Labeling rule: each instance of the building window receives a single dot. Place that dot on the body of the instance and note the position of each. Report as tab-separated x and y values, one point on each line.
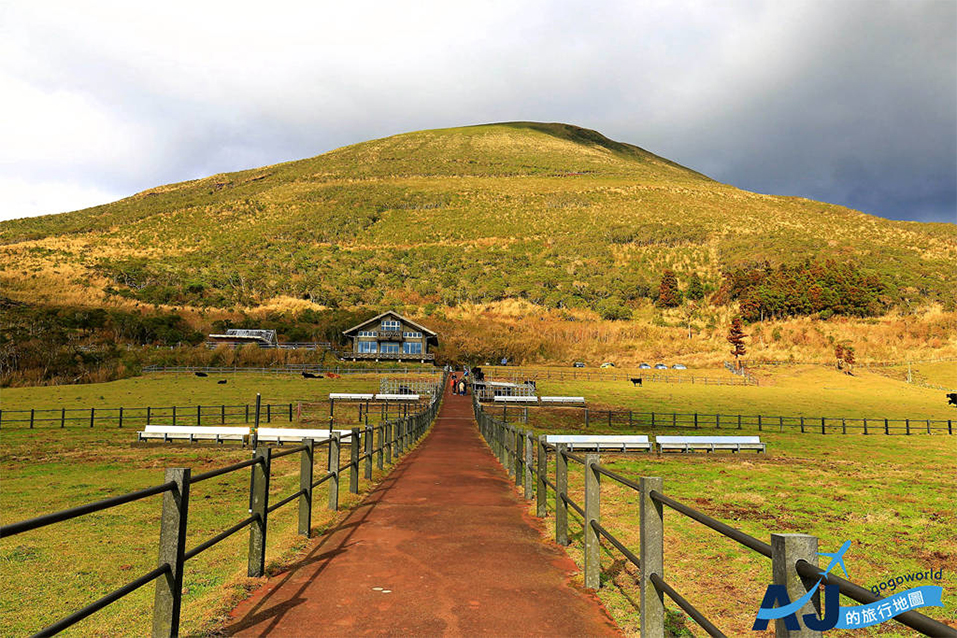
410	347
389	348
391	324
367	346
367	333
412	335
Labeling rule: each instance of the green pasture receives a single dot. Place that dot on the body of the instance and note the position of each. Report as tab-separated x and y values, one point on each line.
892	496
811	391
48	573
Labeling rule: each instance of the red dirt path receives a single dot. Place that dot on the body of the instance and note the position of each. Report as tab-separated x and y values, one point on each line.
448	535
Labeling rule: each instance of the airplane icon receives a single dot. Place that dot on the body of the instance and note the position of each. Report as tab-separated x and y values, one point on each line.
836	557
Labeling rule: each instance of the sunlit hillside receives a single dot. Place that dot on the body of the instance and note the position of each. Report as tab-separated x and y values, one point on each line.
552	214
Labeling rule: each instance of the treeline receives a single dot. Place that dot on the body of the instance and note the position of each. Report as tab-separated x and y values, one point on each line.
824	288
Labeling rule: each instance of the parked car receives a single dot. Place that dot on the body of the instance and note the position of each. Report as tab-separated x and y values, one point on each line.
679	366
644	366
578	364
608	364
660	366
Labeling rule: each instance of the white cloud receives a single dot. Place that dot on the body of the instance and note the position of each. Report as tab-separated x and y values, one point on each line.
121	96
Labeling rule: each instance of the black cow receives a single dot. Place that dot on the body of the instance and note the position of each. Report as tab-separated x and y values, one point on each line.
221	382
952	399
636	381
200	374
309	375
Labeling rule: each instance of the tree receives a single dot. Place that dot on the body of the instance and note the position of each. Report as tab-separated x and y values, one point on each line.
849	358
668	294
695	288
839	355
736	338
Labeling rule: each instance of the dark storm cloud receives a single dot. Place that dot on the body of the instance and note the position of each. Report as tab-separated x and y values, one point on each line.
853	103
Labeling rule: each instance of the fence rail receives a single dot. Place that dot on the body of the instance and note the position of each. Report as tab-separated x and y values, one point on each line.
628	419
133	416
392	439
517	374
293	368
793	556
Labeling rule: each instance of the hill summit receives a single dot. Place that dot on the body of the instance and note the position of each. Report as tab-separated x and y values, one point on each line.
554	214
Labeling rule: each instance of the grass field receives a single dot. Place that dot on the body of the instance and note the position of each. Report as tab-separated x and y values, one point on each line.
789	391
891	496
74	563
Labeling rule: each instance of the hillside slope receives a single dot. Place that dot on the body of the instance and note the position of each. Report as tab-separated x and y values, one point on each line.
552	213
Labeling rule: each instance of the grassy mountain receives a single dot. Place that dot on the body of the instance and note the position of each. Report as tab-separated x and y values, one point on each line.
557	215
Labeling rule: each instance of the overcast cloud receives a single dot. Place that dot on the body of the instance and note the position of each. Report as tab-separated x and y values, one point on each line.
848	102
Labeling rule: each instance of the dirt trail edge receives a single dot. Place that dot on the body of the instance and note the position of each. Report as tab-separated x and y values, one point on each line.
443	547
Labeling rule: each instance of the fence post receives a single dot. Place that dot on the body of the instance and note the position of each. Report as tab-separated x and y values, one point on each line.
802	424
354	461
305	486
843	425
247	413
822	426
886	428
367	435
586	418
561	487
739	421
651	534
907	426
290	412
541	496
388	442
63	417
380	431
592	515
696	420
92	412
759	423
865	426
121	416
652	419
334	444
259	497
950	427
172	546
222	414
149	411
519	447
269	413
786	551
32	410
527	438
199	409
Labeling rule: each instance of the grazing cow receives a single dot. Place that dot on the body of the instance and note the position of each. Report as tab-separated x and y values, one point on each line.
952	399
200	374
636	381
310	375
221	382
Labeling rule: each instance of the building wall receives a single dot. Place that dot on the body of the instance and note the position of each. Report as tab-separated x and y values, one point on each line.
377	329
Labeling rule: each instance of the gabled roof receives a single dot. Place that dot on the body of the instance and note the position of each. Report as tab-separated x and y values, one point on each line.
375	319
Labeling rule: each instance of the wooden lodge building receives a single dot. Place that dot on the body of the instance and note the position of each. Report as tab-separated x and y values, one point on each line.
390	337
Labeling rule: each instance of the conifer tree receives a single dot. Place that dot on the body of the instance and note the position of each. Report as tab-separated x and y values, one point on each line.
695	288
736	338
668	294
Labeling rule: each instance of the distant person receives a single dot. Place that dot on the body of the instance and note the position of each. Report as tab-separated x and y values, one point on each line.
462	388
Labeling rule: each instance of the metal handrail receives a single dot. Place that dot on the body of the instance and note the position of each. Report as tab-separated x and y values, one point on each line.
73	512
573	505
734	534
219	537
617	543
913	619
96	606
293	450
288	499
703	622
226	470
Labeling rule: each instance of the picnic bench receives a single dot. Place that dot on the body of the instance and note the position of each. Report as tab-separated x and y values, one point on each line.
224	433
709	443
610	442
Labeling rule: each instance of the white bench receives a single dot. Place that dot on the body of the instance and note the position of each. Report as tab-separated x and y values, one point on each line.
296	435
710	443
194	433
223	433
616	442
563	400
505	399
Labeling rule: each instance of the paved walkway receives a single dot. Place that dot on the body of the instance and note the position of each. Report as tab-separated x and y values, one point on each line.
448	538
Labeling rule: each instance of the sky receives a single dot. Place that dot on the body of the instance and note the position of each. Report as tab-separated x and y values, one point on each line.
852	102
